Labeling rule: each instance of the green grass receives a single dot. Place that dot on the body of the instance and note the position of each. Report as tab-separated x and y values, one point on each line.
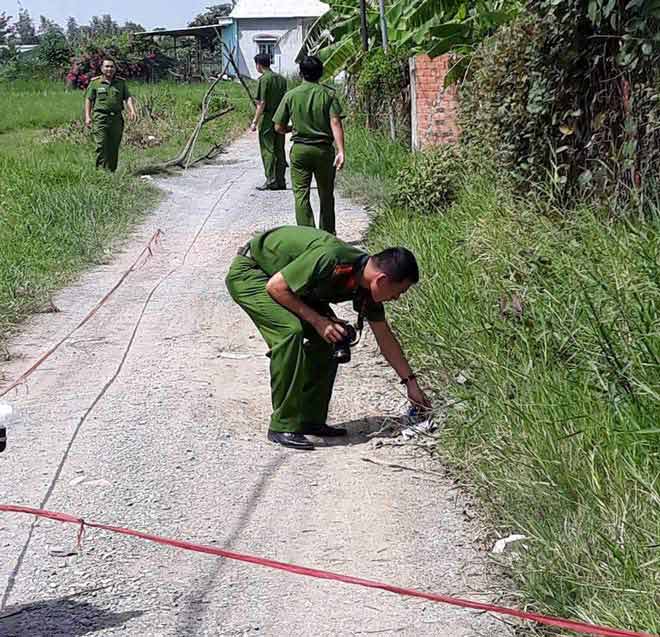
58	212
552	317
374	163
37	104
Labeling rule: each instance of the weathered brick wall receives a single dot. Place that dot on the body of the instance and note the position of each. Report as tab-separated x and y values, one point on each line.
434	107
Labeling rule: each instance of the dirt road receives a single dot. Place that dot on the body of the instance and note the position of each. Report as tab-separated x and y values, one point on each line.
153	416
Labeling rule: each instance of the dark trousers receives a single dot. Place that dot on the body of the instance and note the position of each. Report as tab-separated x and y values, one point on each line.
302	369
273	156
307	161
107	130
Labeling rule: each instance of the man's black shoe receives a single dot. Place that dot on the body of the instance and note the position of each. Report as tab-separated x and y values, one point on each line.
323	431
263	187
288	439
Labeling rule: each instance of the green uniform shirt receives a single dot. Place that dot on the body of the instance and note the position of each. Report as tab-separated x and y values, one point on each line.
107	97
271	88
316	265
309	107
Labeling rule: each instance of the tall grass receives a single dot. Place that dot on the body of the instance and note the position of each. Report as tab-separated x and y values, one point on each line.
57	212
540	328
37	104
373	163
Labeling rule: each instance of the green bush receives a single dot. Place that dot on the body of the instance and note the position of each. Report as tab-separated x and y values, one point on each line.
54	53
136	58
383	76
568	93
23	67
428	181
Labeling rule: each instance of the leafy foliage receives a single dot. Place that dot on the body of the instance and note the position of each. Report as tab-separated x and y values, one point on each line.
54	51
212	15
73	32
428	183
46	25
379	86
5	28
424	26
383	74
25	28
569	92
136	58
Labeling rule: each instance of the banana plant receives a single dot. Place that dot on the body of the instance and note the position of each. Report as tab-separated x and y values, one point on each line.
422	26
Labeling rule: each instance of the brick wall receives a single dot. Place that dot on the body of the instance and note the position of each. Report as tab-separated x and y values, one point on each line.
434	107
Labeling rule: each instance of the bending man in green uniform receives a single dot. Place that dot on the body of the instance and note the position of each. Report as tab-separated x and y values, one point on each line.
315	115
285	279
104	103
270	91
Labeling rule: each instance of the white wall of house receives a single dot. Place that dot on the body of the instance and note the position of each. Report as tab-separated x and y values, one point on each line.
286	35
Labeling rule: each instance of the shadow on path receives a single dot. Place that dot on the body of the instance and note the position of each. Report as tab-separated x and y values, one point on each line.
189	621
61	616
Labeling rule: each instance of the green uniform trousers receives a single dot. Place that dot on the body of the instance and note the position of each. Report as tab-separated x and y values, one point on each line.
108	130
301	375
272	152
317	160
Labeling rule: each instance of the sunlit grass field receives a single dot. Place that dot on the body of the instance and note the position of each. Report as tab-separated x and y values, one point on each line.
57	212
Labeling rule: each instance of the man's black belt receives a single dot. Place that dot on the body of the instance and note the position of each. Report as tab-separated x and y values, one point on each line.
244	251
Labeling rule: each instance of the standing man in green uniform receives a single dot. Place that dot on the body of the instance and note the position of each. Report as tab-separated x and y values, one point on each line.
104	103
285	280
270	91
315	115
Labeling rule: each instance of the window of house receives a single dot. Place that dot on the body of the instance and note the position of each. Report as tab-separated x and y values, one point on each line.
267	48
266	44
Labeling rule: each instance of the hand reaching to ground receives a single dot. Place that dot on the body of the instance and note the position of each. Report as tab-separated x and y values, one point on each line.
416	396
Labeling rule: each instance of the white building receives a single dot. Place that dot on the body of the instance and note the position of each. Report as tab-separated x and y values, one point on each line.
276	27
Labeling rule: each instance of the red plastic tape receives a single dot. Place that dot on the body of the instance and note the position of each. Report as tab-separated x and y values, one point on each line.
147	251
557	622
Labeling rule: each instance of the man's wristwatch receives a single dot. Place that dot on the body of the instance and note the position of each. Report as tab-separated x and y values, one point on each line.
407	379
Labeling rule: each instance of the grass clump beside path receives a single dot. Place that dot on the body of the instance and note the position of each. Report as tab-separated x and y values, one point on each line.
541	328
57	212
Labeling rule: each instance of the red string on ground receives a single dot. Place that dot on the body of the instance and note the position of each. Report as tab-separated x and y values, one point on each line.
146	253
567	624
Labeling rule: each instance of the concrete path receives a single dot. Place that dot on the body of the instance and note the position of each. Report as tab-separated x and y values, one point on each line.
153	416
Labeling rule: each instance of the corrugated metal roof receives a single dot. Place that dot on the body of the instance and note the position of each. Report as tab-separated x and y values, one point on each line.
279	9
209	28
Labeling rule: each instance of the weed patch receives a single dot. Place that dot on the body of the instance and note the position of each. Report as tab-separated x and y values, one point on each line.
540	327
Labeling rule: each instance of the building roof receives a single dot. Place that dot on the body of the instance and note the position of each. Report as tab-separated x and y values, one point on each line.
209	28
279	9
20	48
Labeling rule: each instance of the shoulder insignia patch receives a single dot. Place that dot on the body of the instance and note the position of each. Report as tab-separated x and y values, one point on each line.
344	276
343	268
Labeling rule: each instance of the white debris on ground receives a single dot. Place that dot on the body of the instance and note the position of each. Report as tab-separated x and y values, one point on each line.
504	543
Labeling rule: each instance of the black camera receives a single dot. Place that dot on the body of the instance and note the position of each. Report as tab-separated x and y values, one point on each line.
342	349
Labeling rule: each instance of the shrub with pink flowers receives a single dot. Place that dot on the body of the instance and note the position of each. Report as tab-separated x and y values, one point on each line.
135	58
